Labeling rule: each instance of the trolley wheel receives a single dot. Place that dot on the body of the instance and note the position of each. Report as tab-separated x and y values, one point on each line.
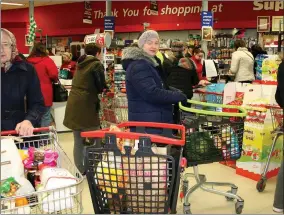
239	207
186	209
261	184
233	190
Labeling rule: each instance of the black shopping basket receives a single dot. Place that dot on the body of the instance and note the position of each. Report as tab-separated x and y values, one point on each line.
212	136
134	179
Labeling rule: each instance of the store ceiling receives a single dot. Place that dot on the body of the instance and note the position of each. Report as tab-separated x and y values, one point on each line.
36	3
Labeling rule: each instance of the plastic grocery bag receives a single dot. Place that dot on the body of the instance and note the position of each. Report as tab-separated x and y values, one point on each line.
144	172
61	198
11	162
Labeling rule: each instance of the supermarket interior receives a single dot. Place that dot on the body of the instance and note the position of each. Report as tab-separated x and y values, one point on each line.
148	107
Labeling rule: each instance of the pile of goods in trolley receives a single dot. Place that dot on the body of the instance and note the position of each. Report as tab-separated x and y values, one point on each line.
37	177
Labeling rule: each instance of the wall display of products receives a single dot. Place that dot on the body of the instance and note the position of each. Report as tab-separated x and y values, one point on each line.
119	78
223	54
267	67
221	41
269	41
109	70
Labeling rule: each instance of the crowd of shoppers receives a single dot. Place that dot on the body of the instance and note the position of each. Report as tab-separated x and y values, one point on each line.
155	81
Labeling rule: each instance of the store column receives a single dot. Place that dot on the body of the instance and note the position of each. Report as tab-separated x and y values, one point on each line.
108	8
203	42
31	14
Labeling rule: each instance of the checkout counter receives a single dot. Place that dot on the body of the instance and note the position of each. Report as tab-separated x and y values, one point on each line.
58	108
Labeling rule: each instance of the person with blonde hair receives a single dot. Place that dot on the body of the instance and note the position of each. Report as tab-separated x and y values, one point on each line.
68	63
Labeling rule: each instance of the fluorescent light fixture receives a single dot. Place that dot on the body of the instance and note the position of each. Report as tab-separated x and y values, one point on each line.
12	4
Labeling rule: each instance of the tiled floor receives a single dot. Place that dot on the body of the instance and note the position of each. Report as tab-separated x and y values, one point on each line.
203	202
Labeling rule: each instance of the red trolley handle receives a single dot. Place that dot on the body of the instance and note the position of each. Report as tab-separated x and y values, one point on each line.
134	135
35	130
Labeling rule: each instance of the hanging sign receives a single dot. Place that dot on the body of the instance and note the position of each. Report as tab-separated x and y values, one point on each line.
109	23
206	19
90	38
95	38
87	17
154	7
207	33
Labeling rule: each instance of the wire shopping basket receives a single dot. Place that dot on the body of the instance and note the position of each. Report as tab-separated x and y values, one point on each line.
114	109
212	136
277	117
135	177
64	200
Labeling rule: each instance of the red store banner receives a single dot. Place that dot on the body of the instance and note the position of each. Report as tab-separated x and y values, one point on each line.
66	19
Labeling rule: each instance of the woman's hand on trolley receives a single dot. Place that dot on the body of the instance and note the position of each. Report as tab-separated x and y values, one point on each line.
25	128
204	83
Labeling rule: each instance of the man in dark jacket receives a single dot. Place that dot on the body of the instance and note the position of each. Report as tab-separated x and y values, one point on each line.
278	198
22	102
148	99
184	77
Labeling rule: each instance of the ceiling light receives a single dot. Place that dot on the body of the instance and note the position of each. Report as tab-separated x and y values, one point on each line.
12	4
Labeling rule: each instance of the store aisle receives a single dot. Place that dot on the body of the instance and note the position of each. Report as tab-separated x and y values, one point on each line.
202	202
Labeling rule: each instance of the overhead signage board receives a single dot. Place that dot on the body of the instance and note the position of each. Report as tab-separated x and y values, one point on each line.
206	19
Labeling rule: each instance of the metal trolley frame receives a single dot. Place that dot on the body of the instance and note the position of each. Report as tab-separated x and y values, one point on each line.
277	125
211	137
51	200
140	182
114	109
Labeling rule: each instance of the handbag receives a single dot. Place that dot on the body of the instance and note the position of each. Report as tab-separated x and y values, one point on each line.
60	94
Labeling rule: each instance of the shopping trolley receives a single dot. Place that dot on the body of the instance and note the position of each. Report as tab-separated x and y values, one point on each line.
211	137
63	200
137	178
114	109
277	125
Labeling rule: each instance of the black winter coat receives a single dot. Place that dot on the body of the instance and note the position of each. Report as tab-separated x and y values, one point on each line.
279	96
18	82
183	78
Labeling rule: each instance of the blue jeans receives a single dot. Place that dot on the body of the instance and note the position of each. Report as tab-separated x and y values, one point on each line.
46	118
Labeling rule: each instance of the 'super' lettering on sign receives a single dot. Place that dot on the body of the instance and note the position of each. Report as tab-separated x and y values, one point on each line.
269	5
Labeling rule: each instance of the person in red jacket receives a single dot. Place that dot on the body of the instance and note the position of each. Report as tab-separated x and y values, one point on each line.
47	73
68	63
197	57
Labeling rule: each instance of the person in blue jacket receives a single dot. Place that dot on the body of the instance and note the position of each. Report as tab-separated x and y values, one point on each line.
149	97
22	102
